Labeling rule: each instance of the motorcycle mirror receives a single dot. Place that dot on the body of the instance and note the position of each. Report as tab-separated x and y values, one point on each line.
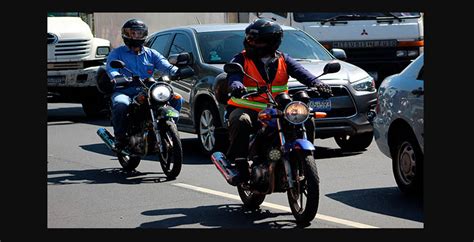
331	67
233	68
117	64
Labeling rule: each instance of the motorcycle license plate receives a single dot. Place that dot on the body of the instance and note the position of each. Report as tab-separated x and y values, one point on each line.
320	104
56	79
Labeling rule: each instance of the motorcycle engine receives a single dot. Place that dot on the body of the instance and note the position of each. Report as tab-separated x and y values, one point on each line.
259	177
137	145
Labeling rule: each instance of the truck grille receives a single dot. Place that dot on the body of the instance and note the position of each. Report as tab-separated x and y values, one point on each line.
72	48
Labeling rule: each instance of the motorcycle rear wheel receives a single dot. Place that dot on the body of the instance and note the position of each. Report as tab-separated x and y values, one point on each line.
171	159
308	188
250	199
128	163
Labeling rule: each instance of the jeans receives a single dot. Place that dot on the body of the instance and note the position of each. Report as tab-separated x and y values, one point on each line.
121	99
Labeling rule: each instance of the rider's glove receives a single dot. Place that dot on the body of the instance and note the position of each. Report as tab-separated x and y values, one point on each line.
237	89
120	80
323	88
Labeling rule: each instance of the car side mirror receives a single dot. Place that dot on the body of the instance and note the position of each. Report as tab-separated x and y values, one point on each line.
117	64
181	59
340	54
233	68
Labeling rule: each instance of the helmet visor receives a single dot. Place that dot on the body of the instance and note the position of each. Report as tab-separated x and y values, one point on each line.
134	33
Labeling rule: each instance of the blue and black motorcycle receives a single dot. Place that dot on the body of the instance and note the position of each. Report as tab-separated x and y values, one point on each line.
281	159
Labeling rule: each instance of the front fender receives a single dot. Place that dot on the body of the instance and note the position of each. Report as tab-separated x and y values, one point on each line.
167	112
300	144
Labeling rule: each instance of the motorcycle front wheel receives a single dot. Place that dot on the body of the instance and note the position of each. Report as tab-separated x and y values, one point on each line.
304	197
171	158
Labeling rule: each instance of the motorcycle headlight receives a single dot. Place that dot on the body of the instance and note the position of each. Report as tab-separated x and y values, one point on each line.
296	112
161	93
367	84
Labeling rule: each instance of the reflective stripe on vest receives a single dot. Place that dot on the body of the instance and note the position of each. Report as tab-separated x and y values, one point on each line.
244	103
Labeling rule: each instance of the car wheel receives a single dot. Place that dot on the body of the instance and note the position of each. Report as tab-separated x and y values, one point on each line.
407	165
357	142
207	122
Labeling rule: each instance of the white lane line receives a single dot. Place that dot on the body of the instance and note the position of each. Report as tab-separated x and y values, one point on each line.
276	206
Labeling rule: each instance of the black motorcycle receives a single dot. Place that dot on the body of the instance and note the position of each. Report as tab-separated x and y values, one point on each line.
280	156
151	127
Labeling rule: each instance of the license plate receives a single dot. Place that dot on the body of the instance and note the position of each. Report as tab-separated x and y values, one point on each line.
320	104
56	79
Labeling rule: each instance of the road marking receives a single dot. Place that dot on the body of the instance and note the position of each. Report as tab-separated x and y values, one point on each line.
276	206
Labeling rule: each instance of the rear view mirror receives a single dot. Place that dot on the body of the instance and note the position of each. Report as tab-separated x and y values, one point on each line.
233	68
181	59
117	64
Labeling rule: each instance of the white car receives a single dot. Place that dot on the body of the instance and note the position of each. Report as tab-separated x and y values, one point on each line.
398	125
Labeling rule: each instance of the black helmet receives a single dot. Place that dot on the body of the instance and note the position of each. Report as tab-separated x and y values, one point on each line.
262	37
134	33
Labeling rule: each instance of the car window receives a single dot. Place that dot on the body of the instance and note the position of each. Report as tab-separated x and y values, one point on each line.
181	43
160	43
220	47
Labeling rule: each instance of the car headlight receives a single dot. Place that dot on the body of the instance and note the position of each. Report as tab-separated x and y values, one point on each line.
367	84
296	112
161	93
103	51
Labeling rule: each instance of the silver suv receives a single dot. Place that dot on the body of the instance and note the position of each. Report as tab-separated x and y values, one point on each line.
211	46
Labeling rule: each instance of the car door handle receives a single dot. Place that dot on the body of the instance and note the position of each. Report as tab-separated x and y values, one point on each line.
418	92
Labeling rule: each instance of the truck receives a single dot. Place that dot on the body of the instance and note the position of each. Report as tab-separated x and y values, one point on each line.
381	43
75	61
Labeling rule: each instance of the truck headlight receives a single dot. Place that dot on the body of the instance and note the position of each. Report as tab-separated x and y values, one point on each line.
367	84
103	51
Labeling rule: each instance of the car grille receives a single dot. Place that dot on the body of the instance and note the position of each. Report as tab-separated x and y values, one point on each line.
72	49
342	103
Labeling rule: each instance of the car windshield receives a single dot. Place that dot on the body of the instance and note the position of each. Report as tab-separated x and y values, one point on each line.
322	16
221	47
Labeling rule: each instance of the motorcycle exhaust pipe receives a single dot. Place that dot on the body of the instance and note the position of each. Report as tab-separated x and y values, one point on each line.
108	138
225	168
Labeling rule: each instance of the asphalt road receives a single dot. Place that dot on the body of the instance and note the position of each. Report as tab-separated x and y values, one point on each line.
87	188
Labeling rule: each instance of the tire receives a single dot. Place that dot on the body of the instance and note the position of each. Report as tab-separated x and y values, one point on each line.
206	123
407	165
355	142
305	213
250	199
129	163
171	159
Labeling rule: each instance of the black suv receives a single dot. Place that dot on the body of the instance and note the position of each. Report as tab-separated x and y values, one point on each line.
211	46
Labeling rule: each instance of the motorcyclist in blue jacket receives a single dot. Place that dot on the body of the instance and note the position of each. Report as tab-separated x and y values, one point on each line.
142	61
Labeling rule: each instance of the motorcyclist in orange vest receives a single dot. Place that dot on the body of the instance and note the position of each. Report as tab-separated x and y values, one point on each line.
272	68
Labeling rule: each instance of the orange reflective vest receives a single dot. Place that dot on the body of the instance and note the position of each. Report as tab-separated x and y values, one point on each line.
279	84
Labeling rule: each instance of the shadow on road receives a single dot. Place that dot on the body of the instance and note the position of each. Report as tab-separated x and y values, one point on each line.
218	216
103	176
192	152
325	153
388	201
71	115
